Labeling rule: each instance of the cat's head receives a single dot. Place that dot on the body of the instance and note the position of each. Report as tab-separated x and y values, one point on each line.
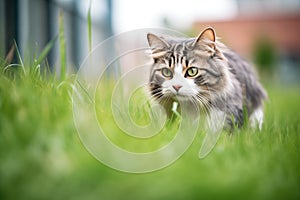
187	68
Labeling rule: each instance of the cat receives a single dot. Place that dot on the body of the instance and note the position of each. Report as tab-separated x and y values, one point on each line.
205	72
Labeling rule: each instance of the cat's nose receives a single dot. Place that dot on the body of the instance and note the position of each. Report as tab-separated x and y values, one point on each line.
177	87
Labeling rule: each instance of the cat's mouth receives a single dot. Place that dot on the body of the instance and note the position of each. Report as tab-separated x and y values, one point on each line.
180	97
177	96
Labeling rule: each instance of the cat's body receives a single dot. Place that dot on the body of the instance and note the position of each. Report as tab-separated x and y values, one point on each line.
205	72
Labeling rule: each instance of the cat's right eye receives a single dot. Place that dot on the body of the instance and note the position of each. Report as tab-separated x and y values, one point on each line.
166	72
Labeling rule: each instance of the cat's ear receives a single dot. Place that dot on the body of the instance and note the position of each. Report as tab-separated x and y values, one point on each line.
206	37
158	45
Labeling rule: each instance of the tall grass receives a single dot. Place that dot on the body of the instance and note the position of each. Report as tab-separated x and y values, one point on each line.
89	27
35	127
41	156
62	47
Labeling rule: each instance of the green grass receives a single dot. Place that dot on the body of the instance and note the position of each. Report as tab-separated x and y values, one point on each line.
42	157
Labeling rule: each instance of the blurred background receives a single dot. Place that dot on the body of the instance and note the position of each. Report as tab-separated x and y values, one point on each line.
41	155
264	31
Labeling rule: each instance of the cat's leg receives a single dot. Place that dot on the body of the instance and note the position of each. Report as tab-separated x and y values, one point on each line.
216	120
257	117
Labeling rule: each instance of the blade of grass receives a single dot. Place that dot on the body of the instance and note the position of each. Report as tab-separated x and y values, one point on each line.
62	47
20	58
84	90
89	22
45	51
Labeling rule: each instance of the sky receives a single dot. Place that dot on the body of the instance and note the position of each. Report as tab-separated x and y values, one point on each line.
133	14
180	14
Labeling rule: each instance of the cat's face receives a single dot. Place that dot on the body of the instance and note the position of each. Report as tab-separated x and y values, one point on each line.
187	69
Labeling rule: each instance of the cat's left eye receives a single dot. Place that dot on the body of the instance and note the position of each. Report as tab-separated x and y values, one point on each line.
192	71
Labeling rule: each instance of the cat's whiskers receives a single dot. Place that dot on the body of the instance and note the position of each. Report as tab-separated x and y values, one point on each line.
205	73
204	103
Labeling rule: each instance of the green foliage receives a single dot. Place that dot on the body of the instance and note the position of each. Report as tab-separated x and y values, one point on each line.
265	55
42	157
35	127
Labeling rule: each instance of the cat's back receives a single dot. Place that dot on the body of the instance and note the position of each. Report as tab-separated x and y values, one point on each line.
253	92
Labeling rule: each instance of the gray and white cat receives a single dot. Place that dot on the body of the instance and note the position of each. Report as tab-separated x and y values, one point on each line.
205	72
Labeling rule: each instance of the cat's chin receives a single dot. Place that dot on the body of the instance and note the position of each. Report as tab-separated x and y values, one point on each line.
181	98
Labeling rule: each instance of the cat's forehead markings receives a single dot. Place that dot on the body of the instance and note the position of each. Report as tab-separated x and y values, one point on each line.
184	62
178	68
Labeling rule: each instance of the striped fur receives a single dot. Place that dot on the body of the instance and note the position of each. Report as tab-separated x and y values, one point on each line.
205	72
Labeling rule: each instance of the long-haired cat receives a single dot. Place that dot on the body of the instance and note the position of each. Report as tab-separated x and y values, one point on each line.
205	72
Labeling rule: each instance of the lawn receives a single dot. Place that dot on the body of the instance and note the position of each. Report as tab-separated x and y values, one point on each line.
42	157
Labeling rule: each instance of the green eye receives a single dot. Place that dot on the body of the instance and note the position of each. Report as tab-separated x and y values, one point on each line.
192	71
166	72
